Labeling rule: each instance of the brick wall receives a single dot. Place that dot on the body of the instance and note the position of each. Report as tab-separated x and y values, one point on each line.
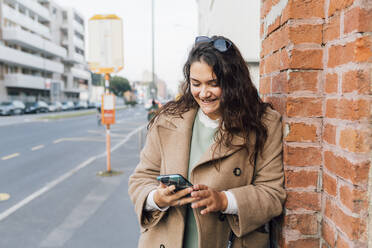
315	69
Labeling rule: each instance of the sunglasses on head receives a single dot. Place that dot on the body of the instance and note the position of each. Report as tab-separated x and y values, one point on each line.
220	44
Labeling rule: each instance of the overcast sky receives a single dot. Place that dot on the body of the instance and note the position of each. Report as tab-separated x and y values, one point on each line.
175	30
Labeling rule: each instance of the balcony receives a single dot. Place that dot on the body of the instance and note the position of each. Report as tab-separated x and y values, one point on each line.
79	43
79	58
78	27
32	41
80	73
25	21
19	80
37	8
13	56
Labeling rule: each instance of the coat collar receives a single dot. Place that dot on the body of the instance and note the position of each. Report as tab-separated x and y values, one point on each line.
178	131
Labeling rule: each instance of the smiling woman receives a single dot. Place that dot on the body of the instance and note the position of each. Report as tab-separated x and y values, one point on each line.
227	142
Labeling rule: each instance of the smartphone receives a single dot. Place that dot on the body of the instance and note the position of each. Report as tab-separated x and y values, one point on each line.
175	179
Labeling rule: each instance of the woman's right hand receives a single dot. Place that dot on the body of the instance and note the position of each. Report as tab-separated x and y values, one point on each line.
165	196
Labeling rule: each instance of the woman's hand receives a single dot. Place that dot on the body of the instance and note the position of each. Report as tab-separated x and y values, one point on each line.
165	196
212	200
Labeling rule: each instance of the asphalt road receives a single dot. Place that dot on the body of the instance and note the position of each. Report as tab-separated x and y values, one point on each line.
49	168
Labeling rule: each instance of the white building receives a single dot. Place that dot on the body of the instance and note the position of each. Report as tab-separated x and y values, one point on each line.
238	20
41	52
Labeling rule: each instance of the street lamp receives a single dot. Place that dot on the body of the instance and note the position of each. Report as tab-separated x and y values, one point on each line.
152	84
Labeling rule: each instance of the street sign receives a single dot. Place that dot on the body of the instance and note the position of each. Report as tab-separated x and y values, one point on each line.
108	109
105	44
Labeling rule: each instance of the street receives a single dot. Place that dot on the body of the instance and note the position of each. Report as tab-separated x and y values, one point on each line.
49	168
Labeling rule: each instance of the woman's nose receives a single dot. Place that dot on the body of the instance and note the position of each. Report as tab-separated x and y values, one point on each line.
205	92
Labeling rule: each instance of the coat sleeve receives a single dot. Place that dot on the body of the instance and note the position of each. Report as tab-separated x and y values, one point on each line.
262	200
143	180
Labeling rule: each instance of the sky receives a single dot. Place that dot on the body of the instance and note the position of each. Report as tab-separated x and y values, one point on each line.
175	31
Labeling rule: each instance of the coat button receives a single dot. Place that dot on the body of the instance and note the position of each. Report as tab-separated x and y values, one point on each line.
237	172
162	246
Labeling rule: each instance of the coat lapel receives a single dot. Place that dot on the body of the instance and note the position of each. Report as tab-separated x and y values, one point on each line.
175	138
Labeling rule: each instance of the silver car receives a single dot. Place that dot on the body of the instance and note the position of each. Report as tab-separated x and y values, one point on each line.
12	108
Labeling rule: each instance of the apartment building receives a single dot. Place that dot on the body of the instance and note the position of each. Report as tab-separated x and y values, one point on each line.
42	52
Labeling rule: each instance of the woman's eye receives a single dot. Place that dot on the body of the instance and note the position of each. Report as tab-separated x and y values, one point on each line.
195	84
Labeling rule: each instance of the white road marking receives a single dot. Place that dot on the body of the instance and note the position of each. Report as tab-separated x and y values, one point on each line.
80	214
37	147
52	184
10	156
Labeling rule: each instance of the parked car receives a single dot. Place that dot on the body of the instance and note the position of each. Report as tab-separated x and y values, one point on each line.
12	108
36	107
69	105
81	105
55	106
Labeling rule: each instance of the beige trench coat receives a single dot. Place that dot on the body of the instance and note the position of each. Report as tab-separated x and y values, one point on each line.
259	194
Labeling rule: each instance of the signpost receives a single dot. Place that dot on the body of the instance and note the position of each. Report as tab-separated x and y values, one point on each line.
105	56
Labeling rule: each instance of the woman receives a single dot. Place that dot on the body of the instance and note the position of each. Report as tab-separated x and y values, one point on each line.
227	142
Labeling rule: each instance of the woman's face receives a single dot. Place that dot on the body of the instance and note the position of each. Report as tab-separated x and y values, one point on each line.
204	88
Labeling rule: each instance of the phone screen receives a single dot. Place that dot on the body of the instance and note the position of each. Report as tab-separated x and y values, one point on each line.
175	179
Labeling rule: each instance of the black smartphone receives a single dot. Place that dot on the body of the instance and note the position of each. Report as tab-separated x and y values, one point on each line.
175	179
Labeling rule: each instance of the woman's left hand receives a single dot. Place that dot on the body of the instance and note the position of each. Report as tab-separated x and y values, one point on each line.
212	200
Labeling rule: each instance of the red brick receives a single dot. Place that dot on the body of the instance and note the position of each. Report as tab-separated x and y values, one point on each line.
306	59
332	29
358	81
331	83
272	63
280	83
356	173
304	9
347	109
303	243
329	184
305	33
275	41
286	14
341	242
328	234
336	5
301	132
356	51
354	199
353	227
301	179
329	134
302	156
303	200
278	103
265	85
265	8
284	60
354	140
306	224
304	107
303	81
358	20
262	67
275	25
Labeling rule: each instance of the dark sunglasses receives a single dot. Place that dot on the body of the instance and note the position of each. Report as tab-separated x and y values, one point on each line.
220	44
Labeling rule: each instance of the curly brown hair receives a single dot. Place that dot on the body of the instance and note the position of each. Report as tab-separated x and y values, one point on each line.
241	108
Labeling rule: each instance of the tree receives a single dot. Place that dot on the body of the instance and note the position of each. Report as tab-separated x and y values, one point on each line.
119	85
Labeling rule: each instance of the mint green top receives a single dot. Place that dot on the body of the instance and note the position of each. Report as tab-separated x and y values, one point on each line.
202	138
